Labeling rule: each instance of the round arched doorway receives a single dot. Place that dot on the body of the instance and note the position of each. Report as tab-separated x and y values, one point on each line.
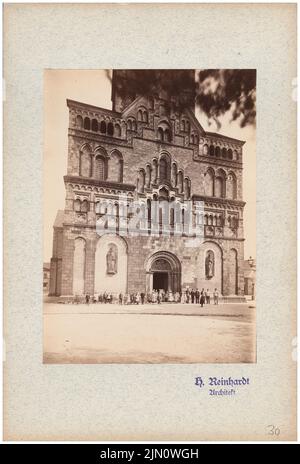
164	272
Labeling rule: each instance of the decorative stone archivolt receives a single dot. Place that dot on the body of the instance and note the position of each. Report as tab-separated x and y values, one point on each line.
95	162
81	205
161	265
142	114
167	262
194	139
220	184
164	132
219	149
164	172
97	122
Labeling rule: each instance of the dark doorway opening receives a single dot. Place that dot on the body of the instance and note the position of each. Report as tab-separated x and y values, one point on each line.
160	281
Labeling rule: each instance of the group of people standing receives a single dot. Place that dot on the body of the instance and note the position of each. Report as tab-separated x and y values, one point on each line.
193	296
202	297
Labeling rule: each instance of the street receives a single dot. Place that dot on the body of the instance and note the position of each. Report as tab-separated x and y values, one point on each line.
165	333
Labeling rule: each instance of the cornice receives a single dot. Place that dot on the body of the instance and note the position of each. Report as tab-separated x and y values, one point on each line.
99	183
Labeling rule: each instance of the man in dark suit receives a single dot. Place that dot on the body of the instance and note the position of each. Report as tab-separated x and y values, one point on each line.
193	295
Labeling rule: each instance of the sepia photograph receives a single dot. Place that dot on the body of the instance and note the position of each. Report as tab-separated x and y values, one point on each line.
149	221
149	216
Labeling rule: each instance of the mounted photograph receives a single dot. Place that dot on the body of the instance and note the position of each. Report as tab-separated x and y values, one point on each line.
149	216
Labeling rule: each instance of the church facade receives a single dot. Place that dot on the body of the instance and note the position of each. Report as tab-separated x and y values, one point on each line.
145	151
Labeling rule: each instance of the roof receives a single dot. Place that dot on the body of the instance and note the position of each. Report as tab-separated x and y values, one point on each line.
225	137
87	106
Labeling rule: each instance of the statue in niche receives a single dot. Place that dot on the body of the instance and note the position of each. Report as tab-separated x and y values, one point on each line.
210	265
112	260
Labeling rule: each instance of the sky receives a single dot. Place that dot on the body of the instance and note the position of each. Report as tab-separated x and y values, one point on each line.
94	87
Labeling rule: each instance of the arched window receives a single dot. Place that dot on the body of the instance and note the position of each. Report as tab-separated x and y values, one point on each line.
224	153
110	129
187	188
182	217
134	125
140	115
174	175
85	168
187	126
196	139
116	167
182	125
103	127
94	125
229	154
79	122
172	214
211	150
192	139
148	176
218	151
97	207
205	149
87	123
145	116
209	183
219	187
155	171
164	132
117	130
180	182
231	188
129	124
160	133
84	206
77	205
163	169
99	172
167	136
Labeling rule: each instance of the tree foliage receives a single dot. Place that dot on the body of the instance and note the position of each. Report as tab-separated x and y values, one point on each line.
228	90
216	91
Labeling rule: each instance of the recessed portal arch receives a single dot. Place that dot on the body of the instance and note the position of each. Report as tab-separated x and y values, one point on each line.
163	272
